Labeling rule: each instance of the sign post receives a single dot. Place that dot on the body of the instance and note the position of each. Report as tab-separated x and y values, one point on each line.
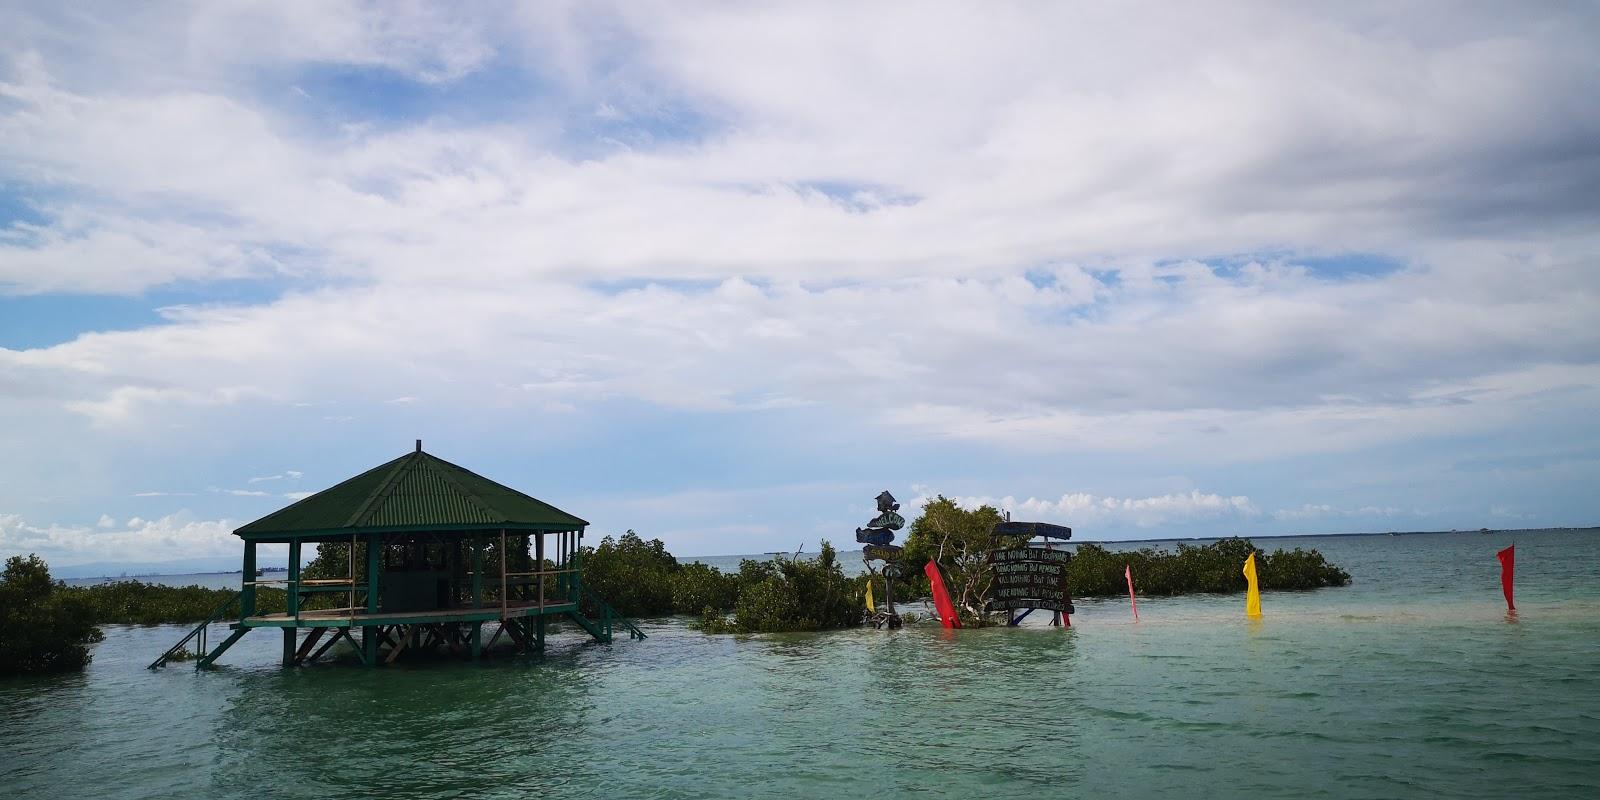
877	537
1030	577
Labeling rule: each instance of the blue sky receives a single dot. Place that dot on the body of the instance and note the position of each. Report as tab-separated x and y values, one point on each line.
720	274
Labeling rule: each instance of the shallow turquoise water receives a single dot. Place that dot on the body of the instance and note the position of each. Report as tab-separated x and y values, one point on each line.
1413	681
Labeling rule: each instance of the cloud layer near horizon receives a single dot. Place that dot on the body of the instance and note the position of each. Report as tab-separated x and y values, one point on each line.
1325	260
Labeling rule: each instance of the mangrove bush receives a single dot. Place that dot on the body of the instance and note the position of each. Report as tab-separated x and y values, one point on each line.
43	626
133	602
791	594
640	578
1215	567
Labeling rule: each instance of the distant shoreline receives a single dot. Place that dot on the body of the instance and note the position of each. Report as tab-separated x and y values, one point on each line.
1279	536
1331	535
157	574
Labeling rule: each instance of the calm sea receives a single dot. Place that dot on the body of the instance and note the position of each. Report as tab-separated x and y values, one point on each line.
1413	681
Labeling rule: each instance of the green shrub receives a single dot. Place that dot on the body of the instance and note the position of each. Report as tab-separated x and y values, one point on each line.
43	627
696	587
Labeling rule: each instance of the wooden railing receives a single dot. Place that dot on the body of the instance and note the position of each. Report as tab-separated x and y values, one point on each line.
539	583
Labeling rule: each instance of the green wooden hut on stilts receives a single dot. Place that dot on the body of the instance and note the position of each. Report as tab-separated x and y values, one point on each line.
436	557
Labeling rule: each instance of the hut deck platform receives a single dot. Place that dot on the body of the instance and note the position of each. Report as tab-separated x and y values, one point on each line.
335	618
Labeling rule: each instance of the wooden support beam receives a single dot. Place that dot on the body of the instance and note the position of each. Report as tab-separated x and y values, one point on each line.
207	659
394	652
496	637
289	635
310	642
514	630
332	640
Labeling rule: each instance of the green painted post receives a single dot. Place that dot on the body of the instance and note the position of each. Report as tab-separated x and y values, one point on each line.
294	578
477	640
288	646
538	632
247	587
577	565
538	545
563	561
369	633
477	579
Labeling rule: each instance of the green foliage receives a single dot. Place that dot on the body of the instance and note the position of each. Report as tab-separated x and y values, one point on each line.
43	627
640	578
697	587
633	575
1216	567
791	594
138	603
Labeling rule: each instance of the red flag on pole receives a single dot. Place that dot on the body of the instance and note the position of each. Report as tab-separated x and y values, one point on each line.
941	597
1508	570
1128	571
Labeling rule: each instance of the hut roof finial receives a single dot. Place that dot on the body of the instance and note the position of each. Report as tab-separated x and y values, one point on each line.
419	445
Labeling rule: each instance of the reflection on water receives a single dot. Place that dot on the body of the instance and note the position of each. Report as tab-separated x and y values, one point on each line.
1409	682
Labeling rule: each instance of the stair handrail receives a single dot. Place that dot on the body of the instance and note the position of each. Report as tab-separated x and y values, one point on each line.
609	615
199	630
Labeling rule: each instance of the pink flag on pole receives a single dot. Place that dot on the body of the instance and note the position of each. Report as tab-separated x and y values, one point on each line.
1128	571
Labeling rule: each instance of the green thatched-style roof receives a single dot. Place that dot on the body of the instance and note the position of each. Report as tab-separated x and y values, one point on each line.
414	492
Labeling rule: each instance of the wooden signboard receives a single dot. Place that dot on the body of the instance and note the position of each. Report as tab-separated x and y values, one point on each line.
881	552
1037	554
1033	530
1030	577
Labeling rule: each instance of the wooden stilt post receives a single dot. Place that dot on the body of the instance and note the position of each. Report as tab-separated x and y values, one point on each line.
477	640
289	646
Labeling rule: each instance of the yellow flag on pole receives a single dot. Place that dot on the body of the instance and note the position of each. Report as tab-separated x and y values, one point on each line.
870	607
1252	603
